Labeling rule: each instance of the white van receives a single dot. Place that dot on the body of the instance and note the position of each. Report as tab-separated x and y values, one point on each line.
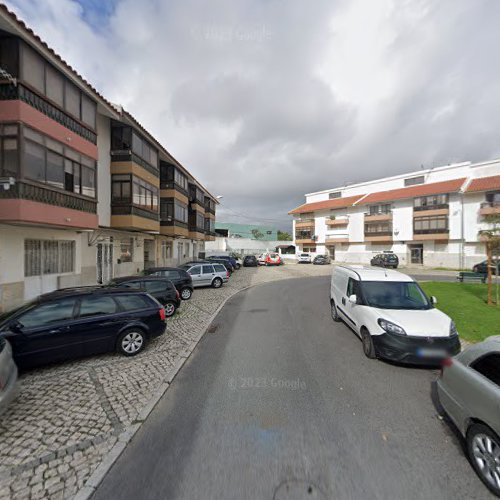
392	315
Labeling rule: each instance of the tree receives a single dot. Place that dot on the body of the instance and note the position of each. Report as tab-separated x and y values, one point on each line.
491	238
257	234
284	236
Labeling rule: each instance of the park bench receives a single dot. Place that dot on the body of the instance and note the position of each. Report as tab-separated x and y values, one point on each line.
464	276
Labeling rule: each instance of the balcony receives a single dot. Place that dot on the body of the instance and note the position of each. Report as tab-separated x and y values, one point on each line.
174	228
341	238
342	222
378	236
430	211
431	234
28	202
130	217
304	223
489	208
9	92
127	162
378	217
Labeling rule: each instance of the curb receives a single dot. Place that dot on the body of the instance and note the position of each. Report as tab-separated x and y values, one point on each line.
95	479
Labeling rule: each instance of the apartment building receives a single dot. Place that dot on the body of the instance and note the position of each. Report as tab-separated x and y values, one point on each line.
428	217
86	192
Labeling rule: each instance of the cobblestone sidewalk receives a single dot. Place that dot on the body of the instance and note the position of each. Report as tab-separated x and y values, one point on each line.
68	416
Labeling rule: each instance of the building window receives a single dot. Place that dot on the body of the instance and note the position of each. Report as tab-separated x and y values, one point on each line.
430	225
493	198
166	249
380	209
200	221
431	202
55	86
33	69
51	162
48	257
412	181
132	190
332	196
173	210
127	250
9	150
303	234
380	228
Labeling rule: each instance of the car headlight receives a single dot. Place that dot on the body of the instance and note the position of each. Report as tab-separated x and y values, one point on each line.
390	327
453	329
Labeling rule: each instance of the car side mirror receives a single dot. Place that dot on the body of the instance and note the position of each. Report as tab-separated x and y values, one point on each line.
16	327
353	299
434	301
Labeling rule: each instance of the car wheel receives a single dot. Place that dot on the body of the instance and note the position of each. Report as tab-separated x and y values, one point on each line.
368	347
217	283
335	314
483	448
238	266
170	309
131	342
186	293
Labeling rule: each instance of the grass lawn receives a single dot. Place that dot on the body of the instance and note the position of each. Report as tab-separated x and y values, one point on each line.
466	304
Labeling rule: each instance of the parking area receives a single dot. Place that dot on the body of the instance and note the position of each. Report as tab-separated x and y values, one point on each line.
68	416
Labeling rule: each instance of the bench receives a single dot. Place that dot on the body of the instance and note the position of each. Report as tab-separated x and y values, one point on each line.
464	276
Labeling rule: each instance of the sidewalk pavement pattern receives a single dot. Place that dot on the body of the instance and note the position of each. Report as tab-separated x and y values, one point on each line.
68	416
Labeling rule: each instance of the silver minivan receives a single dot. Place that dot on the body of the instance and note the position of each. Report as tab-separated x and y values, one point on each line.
8	375
207	274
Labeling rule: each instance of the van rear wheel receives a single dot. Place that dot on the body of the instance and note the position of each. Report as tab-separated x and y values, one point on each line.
368	347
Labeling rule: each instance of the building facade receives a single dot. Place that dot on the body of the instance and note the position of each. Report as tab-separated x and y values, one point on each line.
250	231
428	217
86	193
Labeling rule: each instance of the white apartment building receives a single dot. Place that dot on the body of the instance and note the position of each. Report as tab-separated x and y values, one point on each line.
428	217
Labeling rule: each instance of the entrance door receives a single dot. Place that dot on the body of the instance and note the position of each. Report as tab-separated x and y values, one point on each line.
416	254
104	262
149	254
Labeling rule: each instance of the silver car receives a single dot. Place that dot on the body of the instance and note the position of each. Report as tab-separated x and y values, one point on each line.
469	392
207	274
8	375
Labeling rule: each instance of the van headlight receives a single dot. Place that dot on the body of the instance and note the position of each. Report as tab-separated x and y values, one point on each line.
453	329
390	327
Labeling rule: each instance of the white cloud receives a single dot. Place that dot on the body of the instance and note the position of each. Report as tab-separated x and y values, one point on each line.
266	100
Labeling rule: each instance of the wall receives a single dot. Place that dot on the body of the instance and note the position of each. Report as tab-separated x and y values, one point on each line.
103	170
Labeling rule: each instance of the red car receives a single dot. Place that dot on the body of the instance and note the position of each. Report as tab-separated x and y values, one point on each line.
272	259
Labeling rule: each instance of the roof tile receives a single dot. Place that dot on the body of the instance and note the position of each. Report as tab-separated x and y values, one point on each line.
484	184
331	204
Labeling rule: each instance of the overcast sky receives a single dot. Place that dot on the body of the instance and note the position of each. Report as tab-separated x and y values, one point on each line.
265	100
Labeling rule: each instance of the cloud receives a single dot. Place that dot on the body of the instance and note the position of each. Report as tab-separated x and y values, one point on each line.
266	100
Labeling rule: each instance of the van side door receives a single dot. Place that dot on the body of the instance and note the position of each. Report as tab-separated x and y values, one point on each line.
349	308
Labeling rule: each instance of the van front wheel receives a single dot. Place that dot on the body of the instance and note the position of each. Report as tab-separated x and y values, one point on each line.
368	347
335	314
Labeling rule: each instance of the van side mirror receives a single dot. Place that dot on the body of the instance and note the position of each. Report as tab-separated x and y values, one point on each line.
434	301
353	299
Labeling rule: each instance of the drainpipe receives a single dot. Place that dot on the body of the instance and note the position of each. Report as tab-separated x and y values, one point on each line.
462	240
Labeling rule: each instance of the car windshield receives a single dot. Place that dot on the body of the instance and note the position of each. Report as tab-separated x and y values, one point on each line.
394	295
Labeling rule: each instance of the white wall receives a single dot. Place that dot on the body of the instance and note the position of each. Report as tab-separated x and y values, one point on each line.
103	170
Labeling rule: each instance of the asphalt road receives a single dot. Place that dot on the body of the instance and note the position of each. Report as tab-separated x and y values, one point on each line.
277	401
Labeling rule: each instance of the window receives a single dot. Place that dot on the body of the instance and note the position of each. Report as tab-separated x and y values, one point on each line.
55	170
429	225
144	195
493	198
55	85
219	268
46	314
48	257
88	182
89	108
208	269
332	196
180	179
9	55
431	202
378	228
412	181
173	275
395	295
34	161
489	367
72	99
121	138
200	221
156	286
353	287
144	150
33	69
134	285
132	302
9	150
380	209
195	270
166	250
97	306
127	250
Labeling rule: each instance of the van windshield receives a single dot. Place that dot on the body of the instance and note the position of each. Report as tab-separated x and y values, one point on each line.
394	295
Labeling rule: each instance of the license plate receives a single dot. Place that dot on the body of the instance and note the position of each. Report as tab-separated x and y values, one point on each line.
425	352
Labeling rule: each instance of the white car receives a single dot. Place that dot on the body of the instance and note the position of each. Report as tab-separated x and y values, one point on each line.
392	315
304	258
261	259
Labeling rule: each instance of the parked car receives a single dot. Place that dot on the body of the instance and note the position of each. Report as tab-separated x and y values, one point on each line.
226	263
385	260
162	289
75	322
482	267
8	375
207	274
228	258
272	259
392	315
469	391
261	259
179	277
322	260
304	258
250	261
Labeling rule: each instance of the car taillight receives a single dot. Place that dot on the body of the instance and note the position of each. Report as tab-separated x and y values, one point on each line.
447	362
162	314
227	274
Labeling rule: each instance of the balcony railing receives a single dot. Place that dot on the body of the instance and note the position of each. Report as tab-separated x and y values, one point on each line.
24	190
431	231
430	207
378	233
20	92
125	155
176	223
132	210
